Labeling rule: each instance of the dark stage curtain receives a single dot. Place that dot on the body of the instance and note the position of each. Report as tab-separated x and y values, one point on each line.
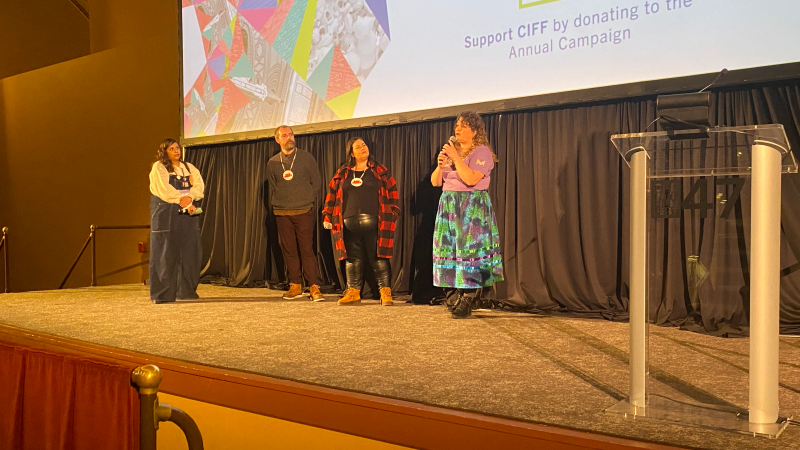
50	401
560	192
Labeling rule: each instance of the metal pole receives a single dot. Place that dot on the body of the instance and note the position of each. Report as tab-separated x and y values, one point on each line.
638	297
83	249
4	244
194	439
765	231
94	255
147	378
92	230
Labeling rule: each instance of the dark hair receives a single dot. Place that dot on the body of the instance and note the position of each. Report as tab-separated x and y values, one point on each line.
163	156
475	123
350	161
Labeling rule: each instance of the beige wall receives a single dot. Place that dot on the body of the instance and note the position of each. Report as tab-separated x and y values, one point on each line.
38	33
230	429
77	140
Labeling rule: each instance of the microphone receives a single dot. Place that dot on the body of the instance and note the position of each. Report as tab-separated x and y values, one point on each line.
452	141
722	73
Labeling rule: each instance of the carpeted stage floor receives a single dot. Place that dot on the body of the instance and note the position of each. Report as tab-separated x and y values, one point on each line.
544	369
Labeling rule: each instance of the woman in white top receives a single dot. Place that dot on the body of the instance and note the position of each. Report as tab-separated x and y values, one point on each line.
175	249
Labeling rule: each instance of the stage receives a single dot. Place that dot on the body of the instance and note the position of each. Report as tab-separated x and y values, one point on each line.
559	371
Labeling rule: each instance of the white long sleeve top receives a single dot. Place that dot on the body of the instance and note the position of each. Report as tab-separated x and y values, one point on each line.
160	187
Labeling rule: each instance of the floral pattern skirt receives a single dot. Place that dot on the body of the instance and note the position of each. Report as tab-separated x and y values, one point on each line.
466	243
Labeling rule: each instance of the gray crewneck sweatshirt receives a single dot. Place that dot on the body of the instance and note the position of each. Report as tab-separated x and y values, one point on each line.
299	193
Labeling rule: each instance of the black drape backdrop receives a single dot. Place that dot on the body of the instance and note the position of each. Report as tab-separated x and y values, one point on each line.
560	194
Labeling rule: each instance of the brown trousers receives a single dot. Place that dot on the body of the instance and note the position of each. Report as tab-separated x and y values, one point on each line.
296	235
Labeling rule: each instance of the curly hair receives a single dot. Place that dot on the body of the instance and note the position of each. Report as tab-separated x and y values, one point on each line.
475	123
350	161
163	156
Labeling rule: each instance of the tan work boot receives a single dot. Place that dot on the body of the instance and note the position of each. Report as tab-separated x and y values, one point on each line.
295	291
352	296
386	296
316	295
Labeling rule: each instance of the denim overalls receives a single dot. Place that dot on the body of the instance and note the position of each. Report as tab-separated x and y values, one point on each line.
175	247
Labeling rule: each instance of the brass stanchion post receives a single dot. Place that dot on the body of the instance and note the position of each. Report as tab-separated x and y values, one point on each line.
4	244
147	378
92	233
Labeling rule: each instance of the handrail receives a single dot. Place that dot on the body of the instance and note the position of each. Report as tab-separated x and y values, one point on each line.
147	378
4	247
91	238
80	8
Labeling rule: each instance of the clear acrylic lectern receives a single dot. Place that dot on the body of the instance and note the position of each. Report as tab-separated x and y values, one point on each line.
723	192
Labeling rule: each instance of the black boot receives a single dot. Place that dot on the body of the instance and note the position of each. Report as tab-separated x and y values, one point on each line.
468	301
463	306
451	298
480	302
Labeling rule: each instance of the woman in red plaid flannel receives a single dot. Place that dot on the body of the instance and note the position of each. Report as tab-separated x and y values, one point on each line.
361	210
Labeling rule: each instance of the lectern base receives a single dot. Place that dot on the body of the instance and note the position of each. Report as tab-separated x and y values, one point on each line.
712	417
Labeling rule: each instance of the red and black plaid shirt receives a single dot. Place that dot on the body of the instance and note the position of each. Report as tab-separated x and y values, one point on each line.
390	209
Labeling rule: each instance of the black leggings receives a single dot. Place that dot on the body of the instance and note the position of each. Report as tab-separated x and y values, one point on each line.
361	245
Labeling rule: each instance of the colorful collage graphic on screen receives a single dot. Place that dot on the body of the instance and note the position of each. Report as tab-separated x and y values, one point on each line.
257	64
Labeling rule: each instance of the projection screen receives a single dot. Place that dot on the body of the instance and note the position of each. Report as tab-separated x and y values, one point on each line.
255	64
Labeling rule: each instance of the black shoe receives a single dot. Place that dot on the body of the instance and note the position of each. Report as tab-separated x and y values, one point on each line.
482	304
463	307
450	299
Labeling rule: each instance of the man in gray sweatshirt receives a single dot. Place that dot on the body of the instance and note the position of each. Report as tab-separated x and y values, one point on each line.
294	187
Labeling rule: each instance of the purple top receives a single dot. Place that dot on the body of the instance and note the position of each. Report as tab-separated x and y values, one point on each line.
481	160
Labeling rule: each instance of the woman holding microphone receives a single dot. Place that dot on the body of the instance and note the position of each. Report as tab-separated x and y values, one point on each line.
175	249
466	241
